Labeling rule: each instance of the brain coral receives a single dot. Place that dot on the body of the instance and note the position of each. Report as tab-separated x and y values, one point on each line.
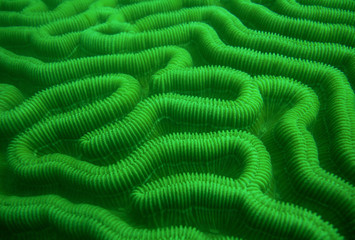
177	119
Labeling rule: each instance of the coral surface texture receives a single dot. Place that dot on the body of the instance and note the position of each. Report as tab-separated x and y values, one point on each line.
177	119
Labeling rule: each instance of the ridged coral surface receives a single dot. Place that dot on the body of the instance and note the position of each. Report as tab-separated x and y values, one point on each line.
177	119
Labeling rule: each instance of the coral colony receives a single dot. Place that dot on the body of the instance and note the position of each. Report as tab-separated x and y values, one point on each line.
177	119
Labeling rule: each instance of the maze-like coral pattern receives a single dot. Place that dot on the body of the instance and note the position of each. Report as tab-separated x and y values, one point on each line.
177	119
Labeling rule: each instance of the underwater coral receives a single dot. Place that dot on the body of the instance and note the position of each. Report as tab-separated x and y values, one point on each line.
177	119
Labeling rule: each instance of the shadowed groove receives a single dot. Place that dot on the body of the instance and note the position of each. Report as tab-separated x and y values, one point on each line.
178	119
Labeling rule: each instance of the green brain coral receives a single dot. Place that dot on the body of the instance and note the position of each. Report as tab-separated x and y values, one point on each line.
177	119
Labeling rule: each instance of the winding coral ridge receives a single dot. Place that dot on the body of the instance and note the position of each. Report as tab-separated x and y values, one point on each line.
177	119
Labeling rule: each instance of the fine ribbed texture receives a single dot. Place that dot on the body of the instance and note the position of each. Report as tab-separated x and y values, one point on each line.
177	119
